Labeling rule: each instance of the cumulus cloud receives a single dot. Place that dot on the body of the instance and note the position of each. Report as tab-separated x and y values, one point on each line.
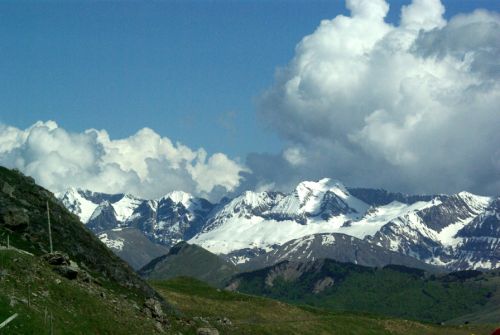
144	164
411	107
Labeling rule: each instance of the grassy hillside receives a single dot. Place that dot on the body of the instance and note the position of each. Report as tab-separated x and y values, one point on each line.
256	315
185	259
23	218
394	290
30	288
490	313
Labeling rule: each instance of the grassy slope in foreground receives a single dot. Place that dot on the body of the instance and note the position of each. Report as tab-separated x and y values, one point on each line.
257	315
30	288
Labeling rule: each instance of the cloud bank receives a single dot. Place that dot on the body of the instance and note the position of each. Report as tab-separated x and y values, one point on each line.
144	164
412	107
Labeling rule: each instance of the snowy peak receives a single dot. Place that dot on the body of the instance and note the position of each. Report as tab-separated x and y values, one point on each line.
251	203
179	197
75	201
325	199
307	189
88	205
126	206
476	203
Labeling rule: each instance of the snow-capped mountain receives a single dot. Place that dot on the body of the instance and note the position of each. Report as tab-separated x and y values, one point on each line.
458	231
174	217
262	220
433	232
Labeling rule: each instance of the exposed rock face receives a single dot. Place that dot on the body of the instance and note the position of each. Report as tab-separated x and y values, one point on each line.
340	247
323	284
379	197
290	271
458	232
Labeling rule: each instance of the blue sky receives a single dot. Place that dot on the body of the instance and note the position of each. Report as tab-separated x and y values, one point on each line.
394	94
190	70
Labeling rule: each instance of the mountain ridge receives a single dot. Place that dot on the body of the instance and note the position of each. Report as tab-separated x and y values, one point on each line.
425	227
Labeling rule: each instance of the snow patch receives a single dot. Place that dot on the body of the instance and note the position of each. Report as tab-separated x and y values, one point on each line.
116	244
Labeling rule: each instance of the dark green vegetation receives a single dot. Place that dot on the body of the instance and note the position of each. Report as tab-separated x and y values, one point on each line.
490	313
393	290
257	315
188	260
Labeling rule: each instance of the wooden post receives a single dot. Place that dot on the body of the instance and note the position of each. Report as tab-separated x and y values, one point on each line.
51	325
29	295
50	231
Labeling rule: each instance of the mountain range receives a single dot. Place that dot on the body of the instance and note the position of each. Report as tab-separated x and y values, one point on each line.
317	219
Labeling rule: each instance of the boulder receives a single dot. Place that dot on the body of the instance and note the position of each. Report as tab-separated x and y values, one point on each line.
7	189
14	218
154	307
56	258
66	271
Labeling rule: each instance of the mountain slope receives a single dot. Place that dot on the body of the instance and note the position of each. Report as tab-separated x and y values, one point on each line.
184	259
132	246
340	247
432	233
262	220
393	290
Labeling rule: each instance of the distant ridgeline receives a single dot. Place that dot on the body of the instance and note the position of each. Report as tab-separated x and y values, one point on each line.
322	219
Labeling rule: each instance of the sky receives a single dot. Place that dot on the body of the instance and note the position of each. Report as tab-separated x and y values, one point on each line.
214	97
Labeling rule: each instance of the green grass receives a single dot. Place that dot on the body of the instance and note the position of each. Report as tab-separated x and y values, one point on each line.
69	235
490	313
30	288
257	315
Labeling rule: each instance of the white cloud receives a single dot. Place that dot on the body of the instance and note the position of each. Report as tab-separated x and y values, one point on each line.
423	14
411	107
144	164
